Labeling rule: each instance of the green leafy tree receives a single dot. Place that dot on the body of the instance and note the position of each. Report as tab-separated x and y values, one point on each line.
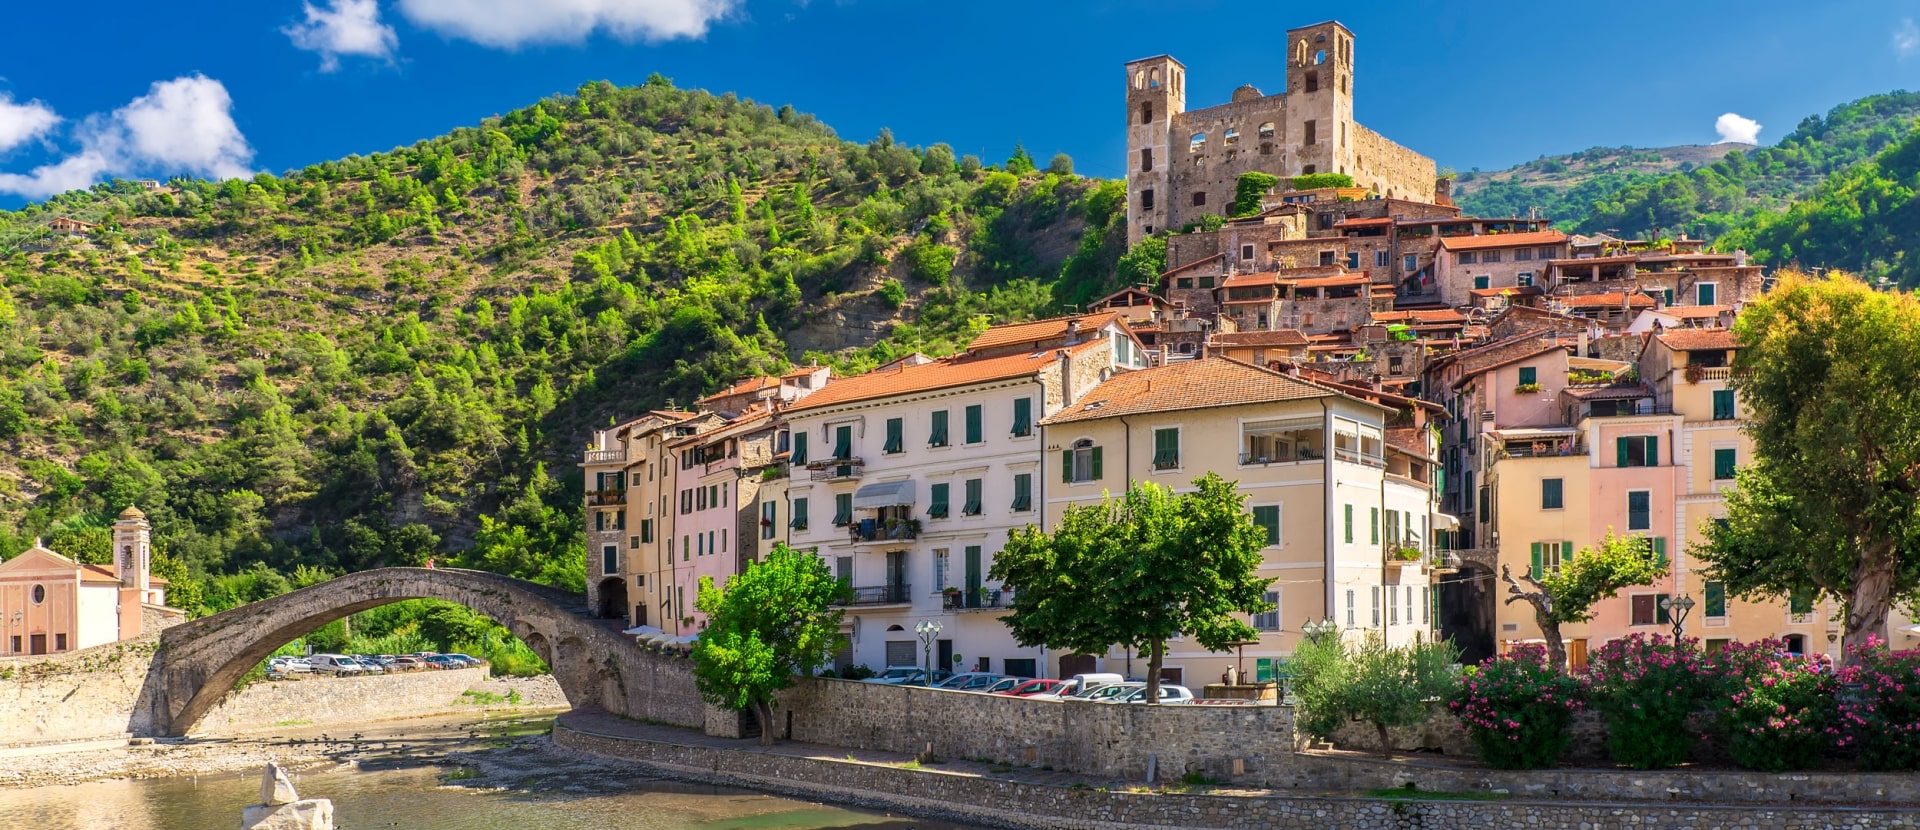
1249	190
1021	163
1567	594
1389	688
774	622
1830	504
1144	262
1137	572
1061	165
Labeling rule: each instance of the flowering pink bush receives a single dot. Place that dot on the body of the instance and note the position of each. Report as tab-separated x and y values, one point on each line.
1516	709
1780	712
1647	687
1879	706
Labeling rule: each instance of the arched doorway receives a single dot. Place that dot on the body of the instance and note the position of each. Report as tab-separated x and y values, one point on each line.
613	597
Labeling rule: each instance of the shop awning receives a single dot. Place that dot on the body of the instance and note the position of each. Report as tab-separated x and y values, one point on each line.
883	494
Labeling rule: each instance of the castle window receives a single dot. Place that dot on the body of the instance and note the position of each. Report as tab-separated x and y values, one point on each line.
1313	134
1319	57
1200	199
1266	131
1197	143
1307	169
1140	79
1232	137
1146	199
1300	53
1146	160
1313	80
1343	84
1146	112
1154	80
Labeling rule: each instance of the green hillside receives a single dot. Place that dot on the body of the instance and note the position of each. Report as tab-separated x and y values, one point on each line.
1667	191
1863	220
386	358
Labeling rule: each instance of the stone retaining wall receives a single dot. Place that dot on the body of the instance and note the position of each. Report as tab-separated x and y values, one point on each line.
1092	738
321	700
1012	804
81	695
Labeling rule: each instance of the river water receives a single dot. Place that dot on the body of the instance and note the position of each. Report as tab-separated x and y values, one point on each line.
487	783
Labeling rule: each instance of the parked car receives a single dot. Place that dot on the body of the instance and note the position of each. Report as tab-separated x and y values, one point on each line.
367	666
407	662
473	662
968	681
1168	694
338	665
1034	688
905	676
1001	685
1110	691
283	666
444	661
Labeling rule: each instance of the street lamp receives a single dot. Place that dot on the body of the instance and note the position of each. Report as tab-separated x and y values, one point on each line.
1677	609
1317	630
928	630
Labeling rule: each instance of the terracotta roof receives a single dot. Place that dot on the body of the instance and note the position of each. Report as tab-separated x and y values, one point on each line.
1364	223
745	387
1244	280
801	371
1438	315
1328	282
1608	299
1190	384
939	374
1502	240
1054	328
1500	354
1178	268
1508	291
1282	337
97	573
1694	312
1698	340
1594	260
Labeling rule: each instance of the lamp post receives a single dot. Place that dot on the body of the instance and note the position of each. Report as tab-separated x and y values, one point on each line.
928	630
1677	608
1317	630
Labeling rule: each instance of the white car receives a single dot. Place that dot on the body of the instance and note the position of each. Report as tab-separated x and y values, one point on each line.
1169	693
900	676
335	664
1111	691
289	665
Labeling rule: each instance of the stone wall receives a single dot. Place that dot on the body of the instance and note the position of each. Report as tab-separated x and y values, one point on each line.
78	696
1090	738
986	801
1389	168
318	700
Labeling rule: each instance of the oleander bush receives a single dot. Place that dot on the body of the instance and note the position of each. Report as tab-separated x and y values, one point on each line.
1779	713
1647	688
1879	707
1517	709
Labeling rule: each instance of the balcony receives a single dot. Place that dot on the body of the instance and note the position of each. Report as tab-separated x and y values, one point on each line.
1357	457
871	530
880	595
845	469
978	599
606	498
1717	373
618	456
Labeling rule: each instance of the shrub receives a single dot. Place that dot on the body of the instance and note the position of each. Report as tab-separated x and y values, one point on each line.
1780	712
1315	181
1384	686
1879	707
893	294
1647	687
1516	709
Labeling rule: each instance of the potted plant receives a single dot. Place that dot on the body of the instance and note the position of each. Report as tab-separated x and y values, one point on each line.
1527	388
1695	372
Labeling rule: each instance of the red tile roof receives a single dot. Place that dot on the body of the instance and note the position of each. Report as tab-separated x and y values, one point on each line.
940	374
1261	339
1245	280
1698	340
1328	282
1694	312
1608	299
1475	361
1178	268
1364	223
1502	240
1055	328
1438	315
745	387
1191	384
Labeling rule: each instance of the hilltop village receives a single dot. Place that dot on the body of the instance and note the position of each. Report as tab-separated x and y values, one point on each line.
1410	398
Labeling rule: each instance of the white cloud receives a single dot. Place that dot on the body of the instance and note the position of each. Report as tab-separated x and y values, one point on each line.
344	27
1735	128
510	24
180	126
21	123
1906	39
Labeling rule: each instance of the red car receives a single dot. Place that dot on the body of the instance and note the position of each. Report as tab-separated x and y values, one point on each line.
1033	687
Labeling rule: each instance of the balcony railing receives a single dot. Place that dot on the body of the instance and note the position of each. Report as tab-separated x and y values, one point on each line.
832	461
618	456
868	530
1357	457
978	599
606	498
1717	373
881	595
838	471
1545	448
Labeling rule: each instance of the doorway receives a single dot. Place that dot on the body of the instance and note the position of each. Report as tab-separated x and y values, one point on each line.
613	597
943	654
1072	664
36	644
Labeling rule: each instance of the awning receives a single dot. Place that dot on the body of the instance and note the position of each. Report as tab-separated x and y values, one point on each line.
1444	521
643	630
883	494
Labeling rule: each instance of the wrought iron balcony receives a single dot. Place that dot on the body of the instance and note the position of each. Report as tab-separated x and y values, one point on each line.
869	530
881	595
837	470
606	498
978	599
618	456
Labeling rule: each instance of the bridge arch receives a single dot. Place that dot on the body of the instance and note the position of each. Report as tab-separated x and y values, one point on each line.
199	662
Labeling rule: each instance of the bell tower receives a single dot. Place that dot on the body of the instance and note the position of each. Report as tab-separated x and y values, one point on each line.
1156	94
132	551
1320	98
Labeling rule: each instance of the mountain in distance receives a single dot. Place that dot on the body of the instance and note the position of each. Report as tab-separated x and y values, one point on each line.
389	357
1702	191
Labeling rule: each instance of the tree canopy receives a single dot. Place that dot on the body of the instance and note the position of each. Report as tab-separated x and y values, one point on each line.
774	622
1566	594
1138	571
1830	503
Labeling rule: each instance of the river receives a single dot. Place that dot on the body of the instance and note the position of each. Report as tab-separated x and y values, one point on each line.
441	777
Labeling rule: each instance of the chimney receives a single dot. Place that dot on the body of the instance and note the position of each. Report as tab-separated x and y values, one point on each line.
1073	330
1067	392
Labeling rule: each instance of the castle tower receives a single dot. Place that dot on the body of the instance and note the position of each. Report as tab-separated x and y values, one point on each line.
133	554
1156	93
1320	98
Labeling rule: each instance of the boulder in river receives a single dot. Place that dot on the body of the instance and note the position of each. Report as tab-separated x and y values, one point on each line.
281	808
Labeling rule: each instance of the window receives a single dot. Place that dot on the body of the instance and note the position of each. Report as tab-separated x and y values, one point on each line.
1376	605
700	544
1705	293
1637	451
1353	260
1022	417
1547	253
1716	604
1022	492
1206	282
1426	604
1080	464
1146	160
1639	510
1723	404
1200	198
1267	518
1523	255
842	509
799	456
1373	525
1349	523
896	439
937	435
1166	448
1246	253
1490	257
1523	279
1410	263
973	424
609	559
972	506
1529	376
1266	130
1552	494
1482	282
1723	463
1313	78
1312	136
767	519
940	569
701	501
1464	258
1647	610
646	532
1666	297
1381	258
1269	620
1350	608
937	502
1546	557
600	519
1326	257
843	442
1022	667
1799	603
1146	112
799	521
1146	201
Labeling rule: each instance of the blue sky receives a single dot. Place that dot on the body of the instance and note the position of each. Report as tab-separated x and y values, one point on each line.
193	86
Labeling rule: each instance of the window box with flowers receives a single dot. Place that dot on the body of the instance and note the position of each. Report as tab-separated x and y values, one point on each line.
1527	388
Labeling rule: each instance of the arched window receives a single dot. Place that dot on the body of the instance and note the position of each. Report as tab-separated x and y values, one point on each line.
1231	138
39	594
1140	79
1300	53
1197	143
1186	348
1154	79
1319	57
1266	131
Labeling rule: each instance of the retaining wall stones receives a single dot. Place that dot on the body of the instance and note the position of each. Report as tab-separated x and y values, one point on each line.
320	700
84	695
1013	804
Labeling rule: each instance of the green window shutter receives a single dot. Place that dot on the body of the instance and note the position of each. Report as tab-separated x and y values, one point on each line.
1349	523
1552	494
1529	375
1268	518
843	509
1066	466
896	440
843	442
1096	463
1653	451
799	448
1022	417
1566	553
1716	604
1538	561
937	503
1620	451
937	433
1660	550
1723	463
1723	404
972	507
1023	491
1166	448
973	424
1373	525
799	515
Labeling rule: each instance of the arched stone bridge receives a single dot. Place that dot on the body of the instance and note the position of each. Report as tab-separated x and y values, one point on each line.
598	668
